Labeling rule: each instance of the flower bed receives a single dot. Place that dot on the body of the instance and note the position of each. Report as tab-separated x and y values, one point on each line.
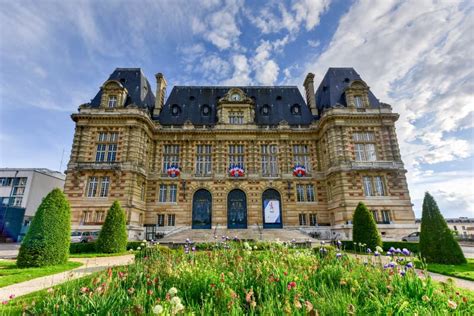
235	279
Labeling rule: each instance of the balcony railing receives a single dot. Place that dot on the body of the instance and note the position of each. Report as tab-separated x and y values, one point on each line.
375	165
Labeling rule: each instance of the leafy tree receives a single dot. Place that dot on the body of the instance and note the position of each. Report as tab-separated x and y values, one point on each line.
113	235
437	243
47	241
364	229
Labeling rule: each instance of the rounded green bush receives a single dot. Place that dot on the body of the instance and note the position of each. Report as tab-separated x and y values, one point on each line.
113	235
47	241
364	229
437	243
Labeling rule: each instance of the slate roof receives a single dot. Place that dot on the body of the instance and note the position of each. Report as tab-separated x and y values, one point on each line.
191	99
139	90
331	90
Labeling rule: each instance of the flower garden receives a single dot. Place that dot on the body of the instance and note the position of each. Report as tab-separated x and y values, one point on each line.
239	278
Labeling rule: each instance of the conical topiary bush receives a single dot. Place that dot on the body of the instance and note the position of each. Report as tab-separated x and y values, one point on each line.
113	235
364	228
437	243
47	241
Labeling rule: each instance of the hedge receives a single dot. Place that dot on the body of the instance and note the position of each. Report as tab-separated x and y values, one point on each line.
47	241
90	247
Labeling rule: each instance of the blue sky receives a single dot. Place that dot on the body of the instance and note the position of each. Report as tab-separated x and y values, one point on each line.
415	55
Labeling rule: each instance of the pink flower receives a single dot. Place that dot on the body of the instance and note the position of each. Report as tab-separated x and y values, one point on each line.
5	302
12	296
84	289
291	285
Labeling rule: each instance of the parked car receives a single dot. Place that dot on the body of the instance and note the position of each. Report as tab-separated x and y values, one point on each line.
76	236
89	236
414	237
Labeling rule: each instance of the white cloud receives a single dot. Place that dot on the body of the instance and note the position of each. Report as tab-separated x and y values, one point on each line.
309	12
266	69
241	75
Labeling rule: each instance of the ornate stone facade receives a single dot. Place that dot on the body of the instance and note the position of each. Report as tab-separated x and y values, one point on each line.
125	141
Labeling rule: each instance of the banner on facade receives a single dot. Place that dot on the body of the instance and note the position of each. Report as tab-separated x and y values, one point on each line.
272	211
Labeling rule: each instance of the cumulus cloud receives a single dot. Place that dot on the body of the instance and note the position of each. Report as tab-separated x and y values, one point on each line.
241	74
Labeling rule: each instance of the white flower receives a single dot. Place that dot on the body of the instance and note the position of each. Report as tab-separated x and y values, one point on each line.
144	240
138	248
158	309
255	247
379	249
173	291
175	300
143	244
179	307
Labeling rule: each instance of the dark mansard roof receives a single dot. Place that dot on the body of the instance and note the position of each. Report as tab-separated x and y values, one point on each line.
277	101
272	105
331	91
140	93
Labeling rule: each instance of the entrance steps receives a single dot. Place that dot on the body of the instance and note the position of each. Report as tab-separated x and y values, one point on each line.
253	233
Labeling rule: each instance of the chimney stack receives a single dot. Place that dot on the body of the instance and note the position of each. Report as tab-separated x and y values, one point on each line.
310	97
160	93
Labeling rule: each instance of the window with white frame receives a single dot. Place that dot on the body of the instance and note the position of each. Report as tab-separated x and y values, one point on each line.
112	101
358	101
386	218
236	118
313	220
170	156
160	220
171	219
301	156
375	214
302	219
364	146
305	193
98	186
99	216
92	187
374	186
107	147
269	160
104	186
204	160
168	193
236	155
87	217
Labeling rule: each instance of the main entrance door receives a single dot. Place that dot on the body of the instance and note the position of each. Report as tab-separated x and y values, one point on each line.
271	209
202	209
236	209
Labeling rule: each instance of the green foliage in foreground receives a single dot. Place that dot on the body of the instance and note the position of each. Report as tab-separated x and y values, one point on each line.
113	235
11	274
437	243
240	281
364	229
47	241
463	271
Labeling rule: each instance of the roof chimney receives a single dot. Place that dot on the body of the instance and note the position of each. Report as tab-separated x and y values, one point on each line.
160	93
310	97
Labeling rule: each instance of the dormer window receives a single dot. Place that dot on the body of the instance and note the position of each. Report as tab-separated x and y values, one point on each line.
266	109
175	110
205	110
112	101
296	109
358	102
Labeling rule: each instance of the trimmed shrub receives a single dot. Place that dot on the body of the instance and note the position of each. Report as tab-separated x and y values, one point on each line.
82	247
47	241
364	229
113	235
437	243
133	245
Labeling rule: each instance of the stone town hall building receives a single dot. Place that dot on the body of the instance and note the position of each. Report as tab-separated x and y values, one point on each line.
227	156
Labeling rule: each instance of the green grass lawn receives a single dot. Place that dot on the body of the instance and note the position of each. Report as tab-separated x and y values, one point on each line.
462	271
10	274
95	255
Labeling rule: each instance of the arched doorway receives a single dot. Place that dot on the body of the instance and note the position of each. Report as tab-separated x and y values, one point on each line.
271	208
236	209
202	209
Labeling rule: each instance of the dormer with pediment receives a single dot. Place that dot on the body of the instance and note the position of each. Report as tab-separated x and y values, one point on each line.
357	94
236	108
114	95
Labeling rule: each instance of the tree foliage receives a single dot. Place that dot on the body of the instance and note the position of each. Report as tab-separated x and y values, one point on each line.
48	238
364	229
113	235
437	243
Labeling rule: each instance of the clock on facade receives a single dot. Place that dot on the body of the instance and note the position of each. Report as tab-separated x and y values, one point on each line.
235	97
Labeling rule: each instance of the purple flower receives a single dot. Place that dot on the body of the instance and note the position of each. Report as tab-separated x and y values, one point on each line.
322	242
188	240
376	253
236	238
193	248
406	252
338	255
339	243
409	265
385	266
322	250
392	264
402	273
293	240
398	250
368	250
389	253
391	249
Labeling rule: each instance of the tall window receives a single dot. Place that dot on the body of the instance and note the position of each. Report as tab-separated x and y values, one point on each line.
269	160
301	156
236	118
386	218
142	191
364	146
160	220
171	219
104	187
236	155
93	188
18	190
107	147
375	214
305	193
168	193
112	101
99	216
302	219
313	220
374	186
87	217
204	160
170	156
358	101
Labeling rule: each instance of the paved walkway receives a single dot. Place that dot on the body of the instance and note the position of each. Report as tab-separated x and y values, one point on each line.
89	266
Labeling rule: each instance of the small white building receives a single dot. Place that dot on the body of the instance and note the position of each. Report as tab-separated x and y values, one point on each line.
21	192
463	226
